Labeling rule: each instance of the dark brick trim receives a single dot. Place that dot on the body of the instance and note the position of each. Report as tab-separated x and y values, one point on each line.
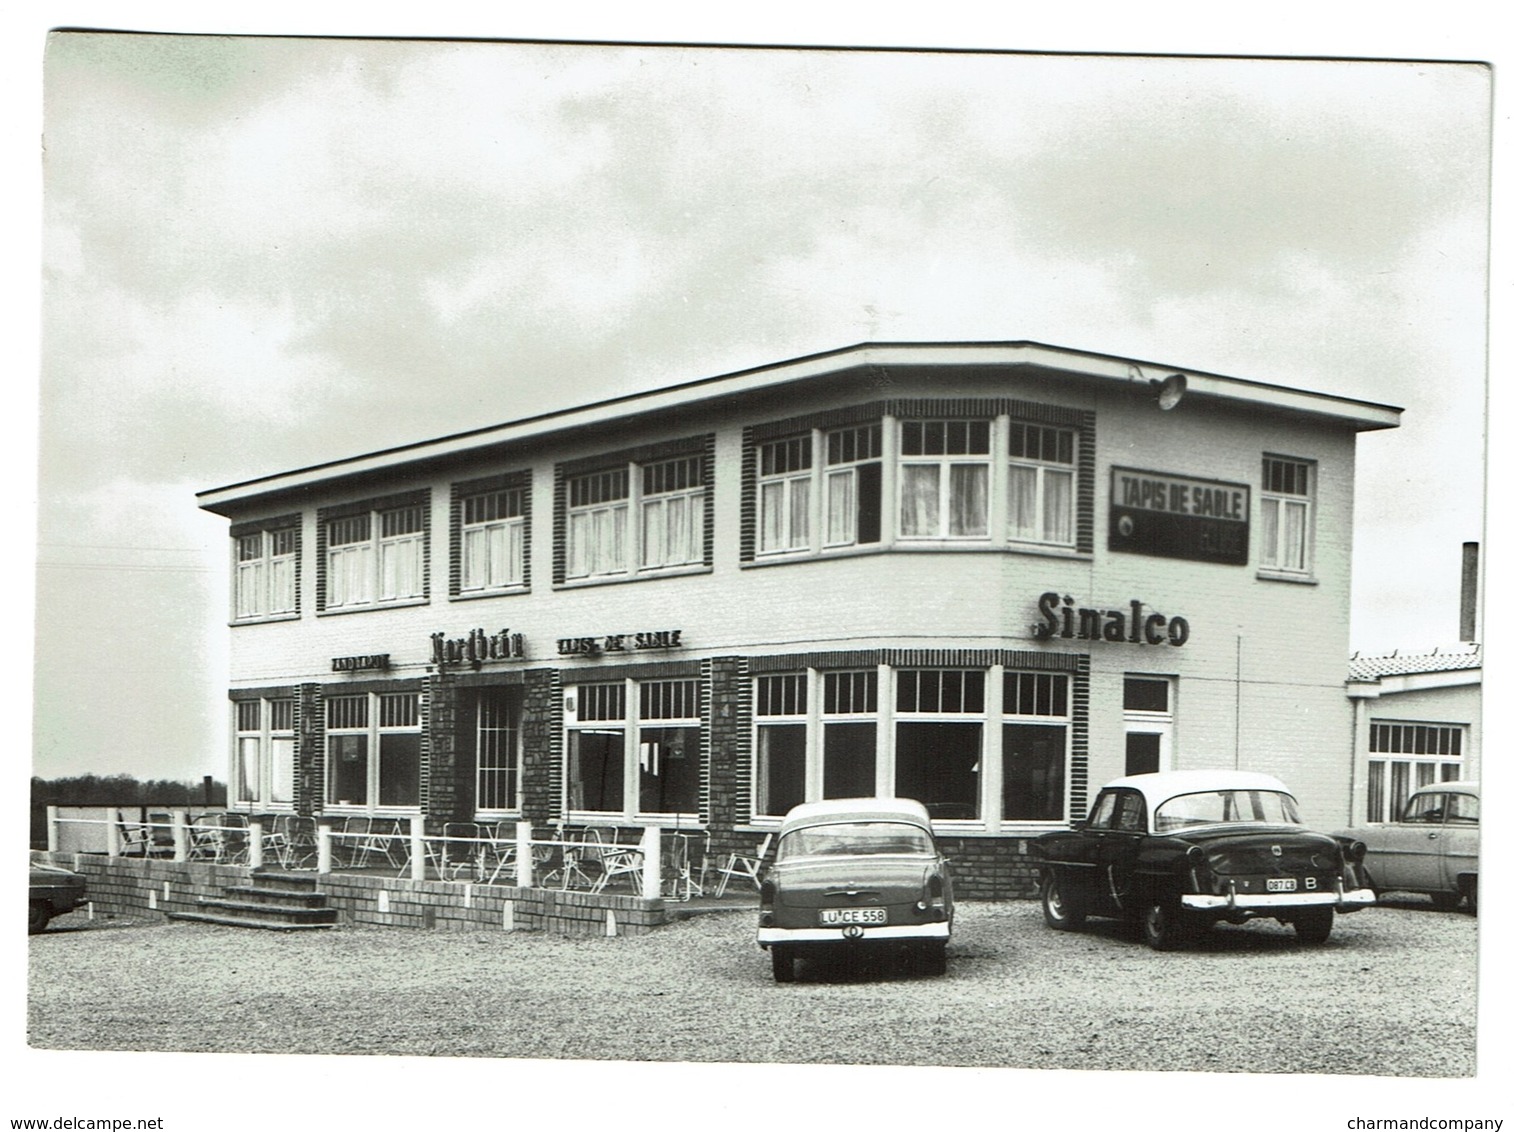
651	670
278	523
268	692
641	454
918	658
748	495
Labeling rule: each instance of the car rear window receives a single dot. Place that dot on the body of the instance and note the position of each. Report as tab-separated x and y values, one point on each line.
1211	807
849	838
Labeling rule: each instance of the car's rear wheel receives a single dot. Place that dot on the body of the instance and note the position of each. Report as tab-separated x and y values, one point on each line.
783	963
1163	925
1469	889
1445	901
38	913
1313	925
1058	911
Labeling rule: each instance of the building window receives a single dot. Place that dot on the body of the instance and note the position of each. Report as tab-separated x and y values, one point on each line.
1041	480
853	491
1402	757
373	750
634	749
849	734
264	773
1148	724
376	557
782	713
497	743
1287	496
267	572
493	536
943	479
784	482
672	513
938	740
1036	727
668	499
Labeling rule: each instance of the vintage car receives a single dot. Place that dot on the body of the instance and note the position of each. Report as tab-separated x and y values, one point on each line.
856	873
54	891
1179	851
1432	847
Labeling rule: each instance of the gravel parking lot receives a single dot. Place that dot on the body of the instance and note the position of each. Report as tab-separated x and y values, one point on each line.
1015	995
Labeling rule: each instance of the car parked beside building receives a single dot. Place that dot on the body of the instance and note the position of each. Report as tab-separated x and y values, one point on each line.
853	873
1432	847
1182	850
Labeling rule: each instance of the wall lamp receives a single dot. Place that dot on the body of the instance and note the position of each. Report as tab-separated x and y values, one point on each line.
1169	390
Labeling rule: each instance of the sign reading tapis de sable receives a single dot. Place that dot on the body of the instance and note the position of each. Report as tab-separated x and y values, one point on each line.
1174	516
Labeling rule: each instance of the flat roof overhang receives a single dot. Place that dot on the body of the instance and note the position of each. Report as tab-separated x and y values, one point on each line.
1360	416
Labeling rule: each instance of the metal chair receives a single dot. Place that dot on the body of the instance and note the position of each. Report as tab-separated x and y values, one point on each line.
294	842
618	860
500	850
463	844
741	865
136	837
207	838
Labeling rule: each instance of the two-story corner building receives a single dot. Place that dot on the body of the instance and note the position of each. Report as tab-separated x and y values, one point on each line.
986	576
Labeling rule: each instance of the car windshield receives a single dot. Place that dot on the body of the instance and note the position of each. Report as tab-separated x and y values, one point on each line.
854	837
1211	806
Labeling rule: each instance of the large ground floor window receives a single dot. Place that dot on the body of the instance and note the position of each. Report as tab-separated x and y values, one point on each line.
634	749
1404	756
263	774
986	745
373	750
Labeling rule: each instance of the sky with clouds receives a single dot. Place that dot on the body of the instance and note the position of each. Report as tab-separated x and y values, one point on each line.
263	253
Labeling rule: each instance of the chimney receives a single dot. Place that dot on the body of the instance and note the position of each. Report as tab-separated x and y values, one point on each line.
1469	591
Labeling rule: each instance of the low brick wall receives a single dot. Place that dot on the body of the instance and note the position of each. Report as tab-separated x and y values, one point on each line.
131	886
996	868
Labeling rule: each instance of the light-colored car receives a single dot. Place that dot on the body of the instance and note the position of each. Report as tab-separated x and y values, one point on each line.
856	873
53	891
1181	850
1431	848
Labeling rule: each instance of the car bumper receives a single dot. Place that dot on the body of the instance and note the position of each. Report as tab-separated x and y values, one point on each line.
1344	901
895	932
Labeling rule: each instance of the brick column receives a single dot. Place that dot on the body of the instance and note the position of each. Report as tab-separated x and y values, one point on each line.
541	746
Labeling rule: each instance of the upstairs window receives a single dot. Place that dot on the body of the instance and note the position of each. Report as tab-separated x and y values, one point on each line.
943	479
1041	469
376	557
785	478
636	517
267	572
493	540
1287	498
854	486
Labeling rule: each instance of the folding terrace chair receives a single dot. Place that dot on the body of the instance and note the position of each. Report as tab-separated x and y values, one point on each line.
740	865
463	844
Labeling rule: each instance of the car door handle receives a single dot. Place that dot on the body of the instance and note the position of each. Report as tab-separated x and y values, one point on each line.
1432	836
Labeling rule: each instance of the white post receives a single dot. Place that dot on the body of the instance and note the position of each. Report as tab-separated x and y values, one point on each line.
112	831
254	843
52	829
180	835
523	878
417	847
322	847
651	861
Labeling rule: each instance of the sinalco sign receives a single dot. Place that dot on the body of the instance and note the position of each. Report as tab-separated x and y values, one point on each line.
1133	625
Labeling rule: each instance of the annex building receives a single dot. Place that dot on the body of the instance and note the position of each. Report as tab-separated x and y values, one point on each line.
986	576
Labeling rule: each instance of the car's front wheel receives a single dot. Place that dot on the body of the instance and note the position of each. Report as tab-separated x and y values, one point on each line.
929	959
1313	925
1163	925
1058	911
38	913
1469	887
783	963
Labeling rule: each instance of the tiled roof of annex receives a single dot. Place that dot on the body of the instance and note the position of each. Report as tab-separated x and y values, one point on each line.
1454	658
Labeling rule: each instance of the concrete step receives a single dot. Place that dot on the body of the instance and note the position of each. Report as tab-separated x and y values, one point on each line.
272	879
267	913
278	897
239	922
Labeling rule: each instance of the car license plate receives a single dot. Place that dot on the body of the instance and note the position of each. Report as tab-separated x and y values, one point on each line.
832	916
1282	884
